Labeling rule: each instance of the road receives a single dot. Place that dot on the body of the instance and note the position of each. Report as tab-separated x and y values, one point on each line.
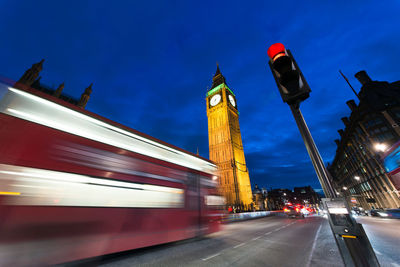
270	241
384	235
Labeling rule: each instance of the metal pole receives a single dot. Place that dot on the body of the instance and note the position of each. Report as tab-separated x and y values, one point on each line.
353	243
354	246
313	152
347	80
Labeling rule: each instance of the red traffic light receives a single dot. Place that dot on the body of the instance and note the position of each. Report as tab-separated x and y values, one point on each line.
275	50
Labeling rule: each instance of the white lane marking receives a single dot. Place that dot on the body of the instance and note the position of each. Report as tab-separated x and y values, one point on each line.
313	246
241	244
255	238
268	233
212	256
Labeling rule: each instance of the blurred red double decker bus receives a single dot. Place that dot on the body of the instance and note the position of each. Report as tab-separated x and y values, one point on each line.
75	185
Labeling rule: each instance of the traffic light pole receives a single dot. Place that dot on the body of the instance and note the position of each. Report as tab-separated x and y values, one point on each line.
350	237
313	152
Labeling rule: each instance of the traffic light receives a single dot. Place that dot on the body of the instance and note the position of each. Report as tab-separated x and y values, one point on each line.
290	80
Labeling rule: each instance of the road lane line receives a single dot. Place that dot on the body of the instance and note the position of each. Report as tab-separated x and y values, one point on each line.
255	238
267	233
313	246
241	244
212	256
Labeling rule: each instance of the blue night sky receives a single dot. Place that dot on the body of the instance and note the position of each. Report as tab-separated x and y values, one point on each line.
151	63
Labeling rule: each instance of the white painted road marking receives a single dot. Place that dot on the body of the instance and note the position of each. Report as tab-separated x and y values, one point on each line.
313	246
255	238
241	244
267	233
212	256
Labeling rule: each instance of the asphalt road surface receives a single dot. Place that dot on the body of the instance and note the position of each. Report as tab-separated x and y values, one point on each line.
269	241
384	235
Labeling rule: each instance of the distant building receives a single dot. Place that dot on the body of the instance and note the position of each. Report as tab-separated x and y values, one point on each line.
305	195
278	198
260	198
357	169
31	79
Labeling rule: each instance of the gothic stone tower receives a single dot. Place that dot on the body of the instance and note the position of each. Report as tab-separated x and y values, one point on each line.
225	143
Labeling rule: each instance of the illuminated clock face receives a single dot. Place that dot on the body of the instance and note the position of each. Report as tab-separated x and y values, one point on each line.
215	100
232	100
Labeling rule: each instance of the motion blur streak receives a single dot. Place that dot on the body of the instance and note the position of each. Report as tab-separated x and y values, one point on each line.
50	188
10	193
75	185
109	161
33	108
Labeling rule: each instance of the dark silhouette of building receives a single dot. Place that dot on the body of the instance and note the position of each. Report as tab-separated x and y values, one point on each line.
278	198
357	170
305	196
31	79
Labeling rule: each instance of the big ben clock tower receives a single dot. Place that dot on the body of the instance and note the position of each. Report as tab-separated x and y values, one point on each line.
225	143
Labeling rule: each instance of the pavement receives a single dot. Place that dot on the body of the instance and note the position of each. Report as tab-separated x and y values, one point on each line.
268	241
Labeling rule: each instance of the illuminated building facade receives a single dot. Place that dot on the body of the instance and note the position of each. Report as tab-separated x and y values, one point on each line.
357	169
260	198
225	144
31	79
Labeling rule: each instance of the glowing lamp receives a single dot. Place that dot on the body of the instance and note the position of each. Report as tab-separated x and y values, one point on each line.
380	147
276	50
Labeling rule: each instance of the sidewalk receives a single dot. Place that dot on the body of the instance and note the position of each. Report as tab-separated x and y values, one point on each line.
325	251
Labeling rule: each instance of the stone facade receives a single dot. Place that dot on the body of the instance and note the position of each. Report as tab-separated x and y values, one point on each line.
225	144
357	169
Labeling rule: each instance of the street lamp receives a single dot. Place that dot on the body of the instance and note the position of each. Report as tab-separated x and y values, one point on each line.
357	178
344	188
380	147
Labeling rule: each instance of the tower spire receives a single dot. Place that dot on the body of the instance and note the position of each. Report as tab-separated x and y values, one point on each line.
31	74
57	93
85	96
218	78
